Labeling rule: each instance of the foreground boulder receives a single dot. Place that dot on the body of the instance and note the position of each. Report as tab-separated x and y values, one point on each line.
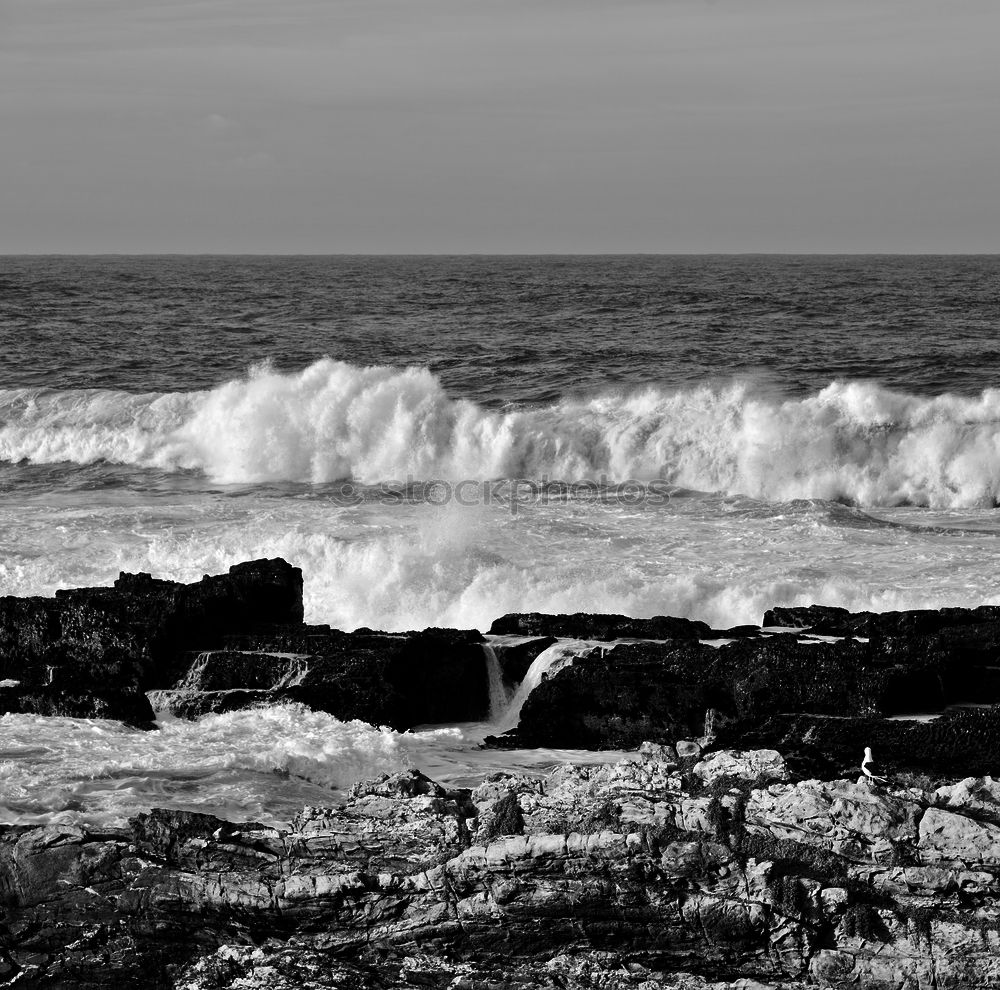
625	875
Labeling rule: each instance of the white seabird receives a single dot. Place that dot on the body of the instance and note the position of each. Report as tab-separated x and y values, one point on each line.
870	768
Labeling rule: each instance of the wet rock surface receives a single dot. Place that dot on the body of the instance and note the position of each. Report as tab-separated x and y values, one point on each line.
722	872
618	697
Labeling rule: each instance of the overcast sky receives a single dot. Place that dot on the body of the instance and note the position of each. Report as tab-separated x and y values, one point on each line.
417	126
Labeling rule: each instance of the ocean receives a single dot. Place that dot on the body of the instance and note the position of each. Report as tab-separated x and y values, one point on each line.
439	441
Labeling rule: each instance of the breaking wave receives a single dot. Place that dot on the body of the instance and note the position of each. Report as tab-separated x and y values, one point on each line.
854	442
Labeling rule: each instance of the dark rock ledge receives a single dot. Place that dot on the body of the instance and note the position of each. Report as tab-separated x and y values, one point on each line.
93	651
225	642
238	640
813	699
663	873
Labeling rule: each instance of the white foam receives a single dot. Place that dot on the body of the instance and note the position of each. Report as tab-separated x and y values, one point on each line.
254	765
259	763
405	567
852	440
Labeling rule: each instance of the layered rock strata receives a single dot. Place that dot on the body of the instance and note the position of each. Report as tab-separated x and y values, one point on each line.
624	875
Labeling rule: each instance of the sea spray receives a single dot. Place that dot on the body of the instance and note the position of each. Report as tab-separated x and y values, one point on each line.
721	560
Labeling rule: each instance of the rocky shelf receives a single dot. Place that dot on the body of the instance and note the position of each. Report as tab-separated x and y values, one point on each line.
808	681
747	854
690	872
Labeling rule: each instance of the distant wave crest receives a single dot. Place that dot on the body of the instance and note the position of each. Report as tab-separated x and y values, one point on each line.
853	441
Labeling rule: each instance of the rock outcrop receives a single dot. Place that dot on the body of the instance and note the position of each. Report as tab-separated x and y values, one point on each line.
721	872
95	650
238	640
228	641
797	691
615	698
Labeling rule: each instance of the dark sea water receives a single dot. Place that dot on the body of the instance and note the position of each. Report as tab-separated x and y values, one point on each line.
506	329
439	441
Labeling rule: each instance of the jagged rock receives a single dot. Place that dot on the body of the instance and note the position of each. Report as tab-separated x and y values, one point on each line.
946	835
237	639
820	619
618	877
131	707
659	691
852	820
278	967
223	643
650	752
402	784
619	698
974	795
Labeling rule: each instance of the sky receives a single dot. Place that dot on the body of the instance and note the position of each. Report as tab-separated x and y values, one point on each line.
499	126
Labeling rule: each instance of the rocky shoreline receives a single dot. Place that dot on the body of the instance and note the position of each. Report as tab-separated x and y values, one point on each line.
654	872
736	845
808	681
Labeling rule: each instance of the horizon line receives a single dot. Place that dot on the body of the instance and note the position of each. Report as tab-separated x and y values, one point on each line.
499	254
